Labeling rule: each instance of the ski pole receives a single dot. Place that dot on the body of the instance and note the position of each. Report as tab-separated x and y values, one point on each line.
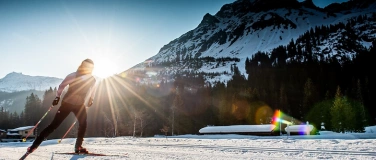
31	131
67	132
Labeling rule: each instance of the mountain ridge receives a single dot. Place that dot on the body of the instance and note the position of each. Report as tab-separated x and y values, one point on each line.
15	81
238	31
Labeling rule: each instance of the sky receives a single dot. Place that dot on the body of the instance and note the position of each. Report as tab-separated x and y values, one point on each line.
52	37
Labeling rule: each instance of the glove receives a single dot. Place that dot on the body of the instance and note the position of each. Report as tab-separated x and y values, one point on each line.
90	102
56	101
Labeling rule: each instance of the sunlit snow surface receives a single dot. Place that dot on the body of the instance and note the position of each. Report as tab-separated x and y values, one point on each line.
328	145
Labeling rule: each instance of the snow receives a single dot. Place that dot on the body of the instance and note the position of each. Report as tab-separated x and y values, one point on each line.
22	128
13	82
327	145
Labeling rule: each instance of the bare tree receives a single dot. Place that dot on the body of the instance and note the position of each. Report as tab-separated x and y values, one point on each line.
176	103
144	118
112	125
135	115
106	131
173	119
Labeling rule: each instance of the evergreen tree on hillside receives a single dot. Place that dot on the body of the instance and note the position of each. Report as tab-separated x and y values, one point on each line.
359	98
337	112
22	119
4	119
310	95
14	120
283	100
360	120
32	109
343	115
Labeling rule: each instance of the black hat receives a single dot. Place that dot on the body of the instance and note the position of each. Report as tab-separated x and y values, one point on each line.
89	61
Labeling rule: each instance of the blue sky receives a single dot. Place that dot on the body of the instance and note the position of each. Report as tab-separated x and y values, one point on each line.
52	37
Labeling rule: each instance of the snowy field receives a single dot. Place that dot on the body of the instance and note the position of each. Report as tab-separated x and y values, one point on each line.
328	145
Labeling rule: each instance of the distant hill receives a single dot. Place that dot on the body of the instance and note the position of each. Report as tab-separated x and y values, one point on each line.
15	87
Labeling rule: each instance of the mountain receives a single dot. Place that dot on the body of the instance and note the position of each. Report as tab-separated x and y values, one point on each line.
245	27
15	87
13	82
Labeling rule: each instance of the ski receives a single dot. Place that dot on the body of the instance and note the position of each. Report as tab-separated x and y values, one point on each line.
83	154
25	155
88	154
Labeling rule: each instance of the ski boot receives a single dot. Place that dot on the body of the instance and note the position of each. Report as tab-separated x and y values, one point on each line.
80	150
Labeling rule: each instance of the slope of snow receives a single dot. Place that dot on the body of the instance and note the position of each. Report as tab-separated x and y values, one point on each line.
328	145
19	82
6	102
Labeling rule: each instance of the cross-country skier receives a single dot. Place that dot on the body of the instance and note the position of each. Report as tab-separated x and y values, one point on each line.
80	94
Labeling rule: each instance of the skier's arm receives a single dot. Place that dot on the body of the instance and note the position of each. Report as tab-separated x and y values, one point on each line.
64	83
92	92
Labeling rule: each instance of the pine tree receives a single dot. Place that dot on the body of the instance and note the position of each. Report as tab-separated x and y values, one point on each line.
32	109
343	116
283	99
14	120
336	112
22	117
310	95
349	116
359	97
5	118
2	118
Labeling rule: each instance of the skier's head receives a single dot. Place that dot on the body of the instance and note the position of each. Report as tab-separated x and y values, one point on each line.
86	67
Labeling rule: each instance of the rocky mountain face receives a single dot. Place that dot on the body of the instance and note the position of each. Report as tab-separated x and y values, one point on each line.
245	27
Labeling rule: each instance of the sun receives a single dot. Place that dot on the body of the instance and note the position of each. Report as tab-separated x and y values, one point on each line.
104	68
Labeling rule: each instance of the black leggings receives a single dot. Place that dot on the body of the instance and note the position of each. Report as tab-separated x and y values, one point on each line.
64	110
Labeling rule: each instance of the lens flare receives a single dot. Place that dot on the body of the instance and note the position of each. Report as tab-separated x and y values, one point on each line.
280	119
240	109
263	115
277	117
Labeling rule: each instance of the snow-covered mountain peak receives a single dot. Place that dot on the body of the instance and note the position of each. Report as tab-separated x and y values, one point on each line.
208	20
19	82
345	7
242	28
13	75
